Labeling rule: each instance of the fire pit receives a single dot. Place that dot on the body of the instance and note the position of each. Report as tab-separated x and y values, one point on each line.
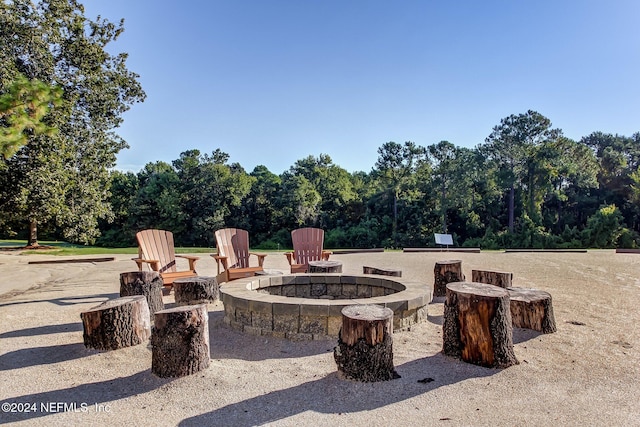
308	306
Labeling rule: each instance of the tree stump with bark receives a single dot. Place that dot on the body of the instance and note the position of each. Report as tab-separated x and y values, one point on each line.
117	323
180	341
532	309
147	283
325	267
497	278
365	345
382	271
195	290
477	325
446	272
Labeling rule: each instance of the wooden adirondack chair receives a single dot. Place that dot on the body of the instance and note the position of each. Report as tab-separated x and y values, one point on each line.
307	246
155	248
233	255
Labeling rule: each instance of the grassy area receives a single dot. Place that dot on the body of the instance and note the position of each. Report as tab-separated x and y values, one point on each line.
64	248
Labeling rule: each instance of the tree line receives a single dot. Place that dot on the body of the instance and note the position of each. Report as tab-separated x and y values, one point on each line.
526	186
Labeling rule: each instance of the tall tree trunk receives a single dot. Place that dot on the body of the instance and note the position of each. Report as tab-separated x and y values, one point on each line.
395	217
33	232
443	205
512	204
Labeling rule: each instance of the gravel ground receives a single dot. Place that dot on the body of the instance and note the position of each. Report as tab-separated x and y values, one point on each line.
585	374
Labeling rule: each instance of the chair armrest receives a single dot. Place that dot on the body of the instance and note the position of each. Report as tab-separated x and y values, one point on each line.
290	257
221	260
154	263
261	257
192	260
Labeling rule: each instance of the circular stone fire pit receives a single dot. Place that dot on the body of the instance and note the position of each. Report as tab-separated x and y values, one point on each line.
308	306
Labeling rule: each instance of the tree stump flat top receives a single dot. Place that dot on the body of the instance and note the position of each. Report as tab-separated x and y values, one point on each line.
367	312
183	308
194	279
116	302
475	288
324	264
528	294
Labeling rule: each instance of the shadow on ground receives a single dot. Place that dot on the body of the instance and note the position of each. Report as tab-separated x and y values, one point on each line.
332	395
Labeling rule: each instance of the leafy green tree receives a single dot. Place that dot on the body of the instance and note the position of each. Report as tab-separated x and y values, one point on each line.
515	146
211	189
22	109
258	212
63	178
157	202
119	232
443	155
604	228
572	170
395	173
619	158
299	202
332	183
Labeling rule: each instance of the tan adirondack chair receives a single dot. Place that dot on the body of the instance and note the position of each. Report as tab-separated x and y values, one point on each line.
233	255
307	246
155	248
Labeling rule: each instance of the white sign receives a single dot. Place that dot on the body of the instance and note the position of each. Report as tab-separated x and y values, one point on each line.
443	239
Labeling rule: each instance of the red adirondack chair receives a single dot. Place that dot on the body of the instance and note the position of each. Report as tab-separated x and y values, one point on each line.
307	246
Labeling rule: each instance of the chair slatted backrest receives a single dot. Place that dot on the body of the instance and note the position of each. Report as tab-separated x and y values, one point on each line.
307	244
157	244
234	244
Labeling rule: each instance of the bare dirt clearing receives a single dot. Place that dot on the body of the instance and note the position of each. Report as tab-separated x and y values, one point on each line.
584	374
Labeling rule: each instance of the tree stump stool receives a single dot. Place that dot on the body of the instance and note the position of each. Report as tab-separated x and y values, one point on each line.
532	309
382	271
446	272
477	325
496	278
195	290
180	341
117	323
325	267
365	345
147	283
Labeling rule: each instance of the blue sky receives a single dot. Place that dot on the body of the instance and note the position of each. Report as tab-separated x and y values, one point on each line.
272	82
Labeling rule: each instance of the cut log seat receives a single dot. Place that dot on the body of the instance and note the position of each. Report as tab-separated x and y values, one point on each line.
446	272
325	267
117	323
477	325
382	271
195	290
147	283
180	341
496	278
532	309
365	345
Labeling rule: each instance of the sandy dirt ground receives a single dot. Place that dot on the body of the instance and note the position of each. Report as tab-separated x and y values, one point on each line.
585	374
